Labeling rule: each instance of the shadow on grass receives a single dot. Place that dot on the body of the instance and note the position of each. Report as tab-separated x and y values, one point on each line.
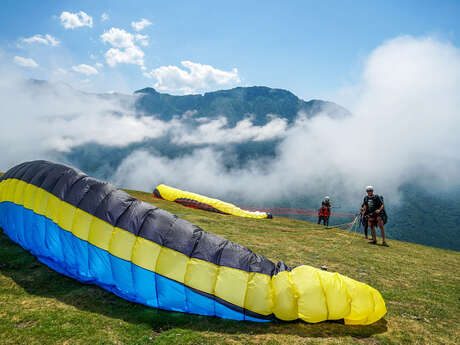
37	279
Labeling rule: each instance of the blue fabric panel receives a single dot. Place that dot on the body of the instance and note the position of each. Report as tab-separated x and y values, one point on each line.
29	216
81	253
99	265
122	275
227	313
67	241
171	295
53	242
199	304
56	266
145	285
18	218
37	236
2	214
11	226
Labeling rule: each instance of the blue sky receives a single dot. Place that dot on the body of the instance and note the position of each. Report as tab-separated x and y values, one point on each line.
310	48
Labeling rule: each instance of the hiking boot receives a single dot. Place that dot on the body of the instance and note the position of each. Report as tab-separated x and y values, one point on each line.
385	244
372	242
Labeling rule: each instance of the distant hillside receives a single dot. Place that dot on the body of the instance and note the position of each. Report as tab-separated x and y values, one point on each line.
427	218
235	104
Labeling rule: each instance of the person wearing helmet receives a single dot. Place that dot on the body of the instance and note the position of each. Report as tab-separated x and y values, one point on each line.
325	211
373	209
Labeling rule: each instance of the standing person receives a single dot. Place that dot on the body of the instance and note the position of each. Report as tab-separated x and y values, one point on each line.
325	211
373	208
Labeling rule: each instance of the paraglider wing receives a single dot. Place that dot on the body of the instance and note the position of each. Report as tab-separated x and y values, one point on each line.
202	202
98	234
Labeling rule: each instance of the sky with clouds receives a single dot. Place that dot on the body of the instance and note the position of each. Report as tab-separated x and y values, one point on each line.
395	67
310	48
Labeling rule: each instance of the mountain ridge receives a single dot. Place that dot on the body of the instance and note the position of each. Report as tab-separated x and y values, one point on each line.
235	104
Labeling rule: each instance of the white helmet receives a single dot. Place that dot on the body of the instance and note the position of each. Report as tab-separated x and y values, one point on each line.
326	198
369	188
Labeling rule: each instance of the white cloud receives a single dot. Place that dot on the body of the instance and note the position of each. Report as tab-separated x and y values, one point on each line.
75	20
25	62
59	73
99	65
46	40
199	78
142	39
118	38
217	132
404	129
141	25
104	17
133	55
85	69
55	118
124	51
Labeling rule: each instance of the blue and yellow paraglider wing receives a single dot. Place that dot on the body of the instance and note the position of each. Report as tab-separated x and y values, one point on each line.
93	232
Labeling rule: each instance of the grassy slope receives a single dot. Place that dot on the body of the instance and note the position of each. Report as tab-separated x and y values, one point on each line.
421	287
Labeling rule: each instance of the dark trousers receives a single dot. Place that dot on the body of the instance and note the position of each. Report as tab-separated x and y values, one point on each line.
325	220
365	223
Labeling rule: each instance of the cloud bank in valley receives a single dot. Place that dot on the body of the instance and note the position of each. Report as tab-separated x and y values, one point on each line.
403	129
44	121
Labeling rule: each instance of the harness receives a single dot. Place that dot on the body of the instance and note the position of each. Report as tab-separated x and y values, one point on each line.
378	203
324	211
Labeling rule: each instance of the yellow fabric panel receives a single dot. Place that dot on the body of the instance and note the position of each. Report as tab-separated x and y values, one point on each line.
362	301
6	190
19	192
201	275
338	302
172	264
100	233
284	298
122	244
379	307
11	189
311	300
171	194
52	208
2	189
259	294
81	224
41	201
231	285
145	253
29	197
66	215
373	313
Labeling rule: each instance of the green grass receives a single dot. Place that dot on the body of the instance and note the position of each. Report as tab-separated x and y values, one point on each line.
421	287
